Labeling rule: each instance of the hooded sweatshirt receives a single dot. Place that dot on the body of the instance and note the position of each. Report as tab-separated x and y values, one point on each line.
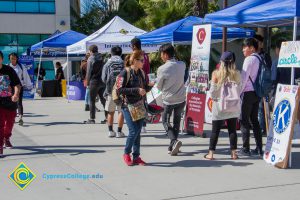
94	69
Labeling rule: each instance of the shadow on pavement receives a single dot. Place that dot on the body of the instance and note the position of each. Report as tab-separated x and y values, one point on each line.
28	124
41	150
199	163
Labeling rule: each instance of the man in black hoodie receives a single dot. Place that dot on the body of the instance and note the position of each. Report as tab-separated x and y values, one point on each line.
94	81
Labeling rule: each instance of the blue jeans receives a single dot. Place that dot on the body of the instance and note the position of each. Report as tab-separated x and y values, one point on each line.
87	96
134	136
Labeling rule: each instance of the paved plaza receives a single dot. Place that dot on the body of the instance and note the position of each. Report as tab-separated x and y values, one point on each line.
54	140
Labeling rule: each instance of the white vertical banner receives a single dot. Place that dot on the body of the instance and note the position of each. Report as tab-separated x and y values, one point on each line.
199	68
281	127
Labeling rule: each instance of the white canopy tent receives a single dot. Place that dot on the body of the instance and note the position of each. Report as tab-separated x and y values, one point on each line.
117	32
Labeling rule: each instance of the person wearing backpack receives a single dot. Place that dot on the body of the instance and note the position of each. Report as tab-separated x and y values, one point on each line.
266	58
111	70
94	80
225	91
136	45
133	86
25	81
250	98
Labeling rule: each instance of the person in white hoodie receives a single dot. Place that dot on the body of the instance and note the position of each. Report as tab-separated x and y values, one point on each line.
25	81
170	81
225	81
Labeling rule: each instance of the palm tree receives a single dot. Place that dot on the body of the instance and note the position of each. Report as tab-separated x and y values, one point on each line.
161	12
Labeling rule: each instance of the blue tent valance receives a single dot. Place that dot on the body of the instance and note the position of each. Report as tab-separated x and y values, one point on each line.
257	13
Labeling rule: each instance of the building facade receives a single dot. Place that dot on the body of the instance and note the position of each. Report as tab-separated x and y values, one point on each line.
27	22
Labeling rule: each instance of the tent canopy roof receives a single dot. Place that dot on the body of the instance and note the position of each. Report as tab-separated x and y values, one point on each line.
60	40
181	31
258	13
116	32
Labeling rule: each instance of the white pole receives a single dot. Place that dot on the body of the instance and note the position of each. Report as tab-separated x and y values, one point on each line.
38	74
68	79
294	39
292	80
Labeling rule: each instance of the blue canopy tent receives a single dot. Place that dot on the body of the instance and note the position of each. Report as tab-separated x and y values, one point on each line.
58	42
259	13
55	46
181	32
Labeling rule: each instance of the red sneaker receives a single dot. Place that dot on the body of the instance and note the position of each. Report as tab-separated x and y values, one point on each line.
139	161
127	159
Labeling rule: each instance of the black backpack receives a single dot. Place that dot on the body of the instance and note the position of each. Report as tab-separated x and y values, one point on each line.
263	82
114	70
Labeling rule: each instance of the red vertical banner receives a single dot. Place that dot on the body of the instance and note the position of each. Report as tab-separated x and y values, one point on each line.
194	117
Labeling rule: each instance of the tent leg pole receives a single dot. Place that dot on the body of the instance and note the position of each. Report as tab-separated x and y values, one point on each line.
292	80
68	82
38	74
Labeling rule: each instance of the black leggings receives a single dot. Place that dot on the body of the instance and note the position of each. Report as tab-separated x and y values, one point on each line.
216	127
20	102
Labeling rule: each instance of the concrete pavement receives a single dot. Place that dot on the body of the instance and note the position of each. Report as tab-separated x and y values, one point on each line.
53	140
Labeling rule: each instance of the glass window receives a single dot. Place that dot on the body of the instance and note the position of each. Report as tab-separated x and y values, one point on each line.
6	50
7	6
47	7
27	7
28	39
44	37
8	39
22	49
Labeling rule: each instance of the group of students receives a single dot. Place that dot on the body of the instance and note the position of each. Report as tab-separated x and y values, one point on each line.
128	80
14	79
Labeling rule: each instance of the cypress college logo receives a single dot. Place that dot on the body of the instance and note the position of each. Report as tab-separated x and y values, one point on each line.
22	176
201	34
282	116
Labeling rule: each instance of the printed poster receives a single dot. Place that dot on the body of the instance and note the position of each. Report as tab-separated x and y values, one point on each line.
281	128
289	55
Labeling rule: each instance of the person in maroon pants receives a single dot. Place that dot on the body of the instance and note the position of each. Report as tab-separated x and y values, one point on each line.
9	95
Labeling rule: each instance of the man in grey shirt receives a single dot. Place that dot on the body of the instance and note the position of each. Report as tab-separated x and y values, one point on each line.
170	80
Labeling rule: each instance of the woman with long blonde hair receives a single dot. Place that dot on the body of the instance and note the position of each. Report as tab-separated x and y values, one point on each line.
225	92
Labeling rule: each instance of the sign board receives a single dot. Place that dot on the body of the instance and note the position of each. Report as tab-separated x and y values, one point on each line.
289	55
281	127
27	63
199	68
194	116
198	84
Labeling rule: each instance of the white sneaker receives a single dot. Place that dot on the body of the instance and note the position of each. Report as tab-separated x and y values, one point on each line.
120	135
143	130
111	134
176	148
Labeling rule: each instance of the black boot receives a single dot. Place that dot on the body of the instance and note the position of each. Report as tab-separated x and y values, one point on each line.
87	107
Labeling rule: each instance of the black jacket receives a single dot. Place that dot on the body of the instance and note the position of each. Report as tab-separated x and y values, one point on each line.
131	89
